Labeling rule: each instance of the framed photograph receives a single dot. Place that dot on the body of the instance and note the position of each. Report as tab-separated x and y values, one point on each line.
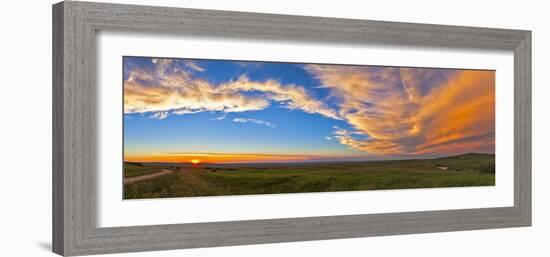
183	128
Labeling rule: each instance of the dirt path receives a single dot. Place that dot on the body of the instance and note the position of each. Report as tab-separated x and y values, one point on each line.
146	177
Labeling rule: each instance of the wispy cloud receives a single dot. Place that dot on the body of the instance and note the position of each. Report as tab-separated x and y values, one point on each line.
289	96
406	110
261	122
220	117
159	115
167	88
183	111
193	65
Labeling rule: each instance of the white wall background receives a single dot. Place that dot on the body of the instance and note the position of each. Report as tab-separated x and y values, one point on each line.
25	128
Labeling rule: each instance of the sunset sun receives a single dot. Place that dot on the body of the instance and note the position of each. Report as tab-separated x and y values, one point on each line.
195	161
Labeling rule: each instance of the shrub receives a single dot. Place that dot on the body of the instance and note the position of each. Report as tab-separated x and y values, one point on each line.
487	167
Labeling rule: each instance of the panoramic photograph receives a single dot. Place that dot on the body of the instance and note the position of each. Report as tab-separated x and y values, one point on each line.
198	127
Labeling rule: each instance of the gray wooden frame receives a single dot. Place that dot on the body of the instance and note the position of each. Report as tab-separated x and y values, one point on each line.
75	25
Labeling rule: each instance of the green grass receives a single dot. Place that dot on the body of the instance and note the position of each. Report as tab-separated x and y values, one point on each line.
463	170
135	169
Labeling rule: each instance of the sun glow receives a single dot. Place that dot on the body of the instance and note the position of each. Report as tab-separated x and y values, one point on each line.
195	161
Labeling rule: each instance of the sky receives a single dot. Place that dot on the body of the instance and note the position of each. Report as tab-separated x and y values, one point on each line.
222	111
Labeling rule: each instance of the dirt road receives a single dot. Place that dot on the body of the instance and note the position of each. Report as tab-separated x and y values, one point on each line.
146	177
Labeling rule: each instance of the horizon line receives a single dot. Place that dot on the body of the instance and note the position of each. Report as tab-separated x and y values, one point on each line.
321	160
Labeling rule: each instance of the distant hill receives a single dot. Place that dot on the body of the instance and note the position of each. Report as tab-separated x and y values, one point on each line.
469	156
134	164
477	161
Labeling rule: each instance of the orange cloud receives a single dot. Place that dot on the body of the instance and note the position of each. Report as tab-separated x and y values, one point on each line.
218	157
460	114
411	110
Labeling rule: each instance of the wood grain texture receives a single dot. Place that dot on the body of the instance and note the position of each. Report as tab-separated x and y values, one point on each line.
75	25
522	128
58	230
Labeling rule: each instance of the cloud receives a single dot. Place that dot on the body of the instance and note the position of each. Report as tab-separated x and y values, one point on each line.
184	111
289	96
219	117
193	65
411	110
168	88
159	115
261	122
165	88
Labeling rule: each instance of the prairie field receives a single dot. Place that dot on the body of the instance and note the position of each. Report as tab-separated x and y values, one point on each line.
186	180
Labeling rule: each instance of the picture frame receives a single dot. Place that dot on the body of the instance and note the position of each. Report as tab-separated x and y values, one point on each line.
75	25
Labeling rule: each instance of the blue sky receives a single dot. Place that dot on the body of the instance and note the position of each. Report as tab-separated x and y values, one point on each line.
182	109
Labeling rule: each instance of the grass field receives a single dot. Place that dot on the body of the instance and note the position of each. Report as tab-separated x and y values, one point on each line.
138	169
235	179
